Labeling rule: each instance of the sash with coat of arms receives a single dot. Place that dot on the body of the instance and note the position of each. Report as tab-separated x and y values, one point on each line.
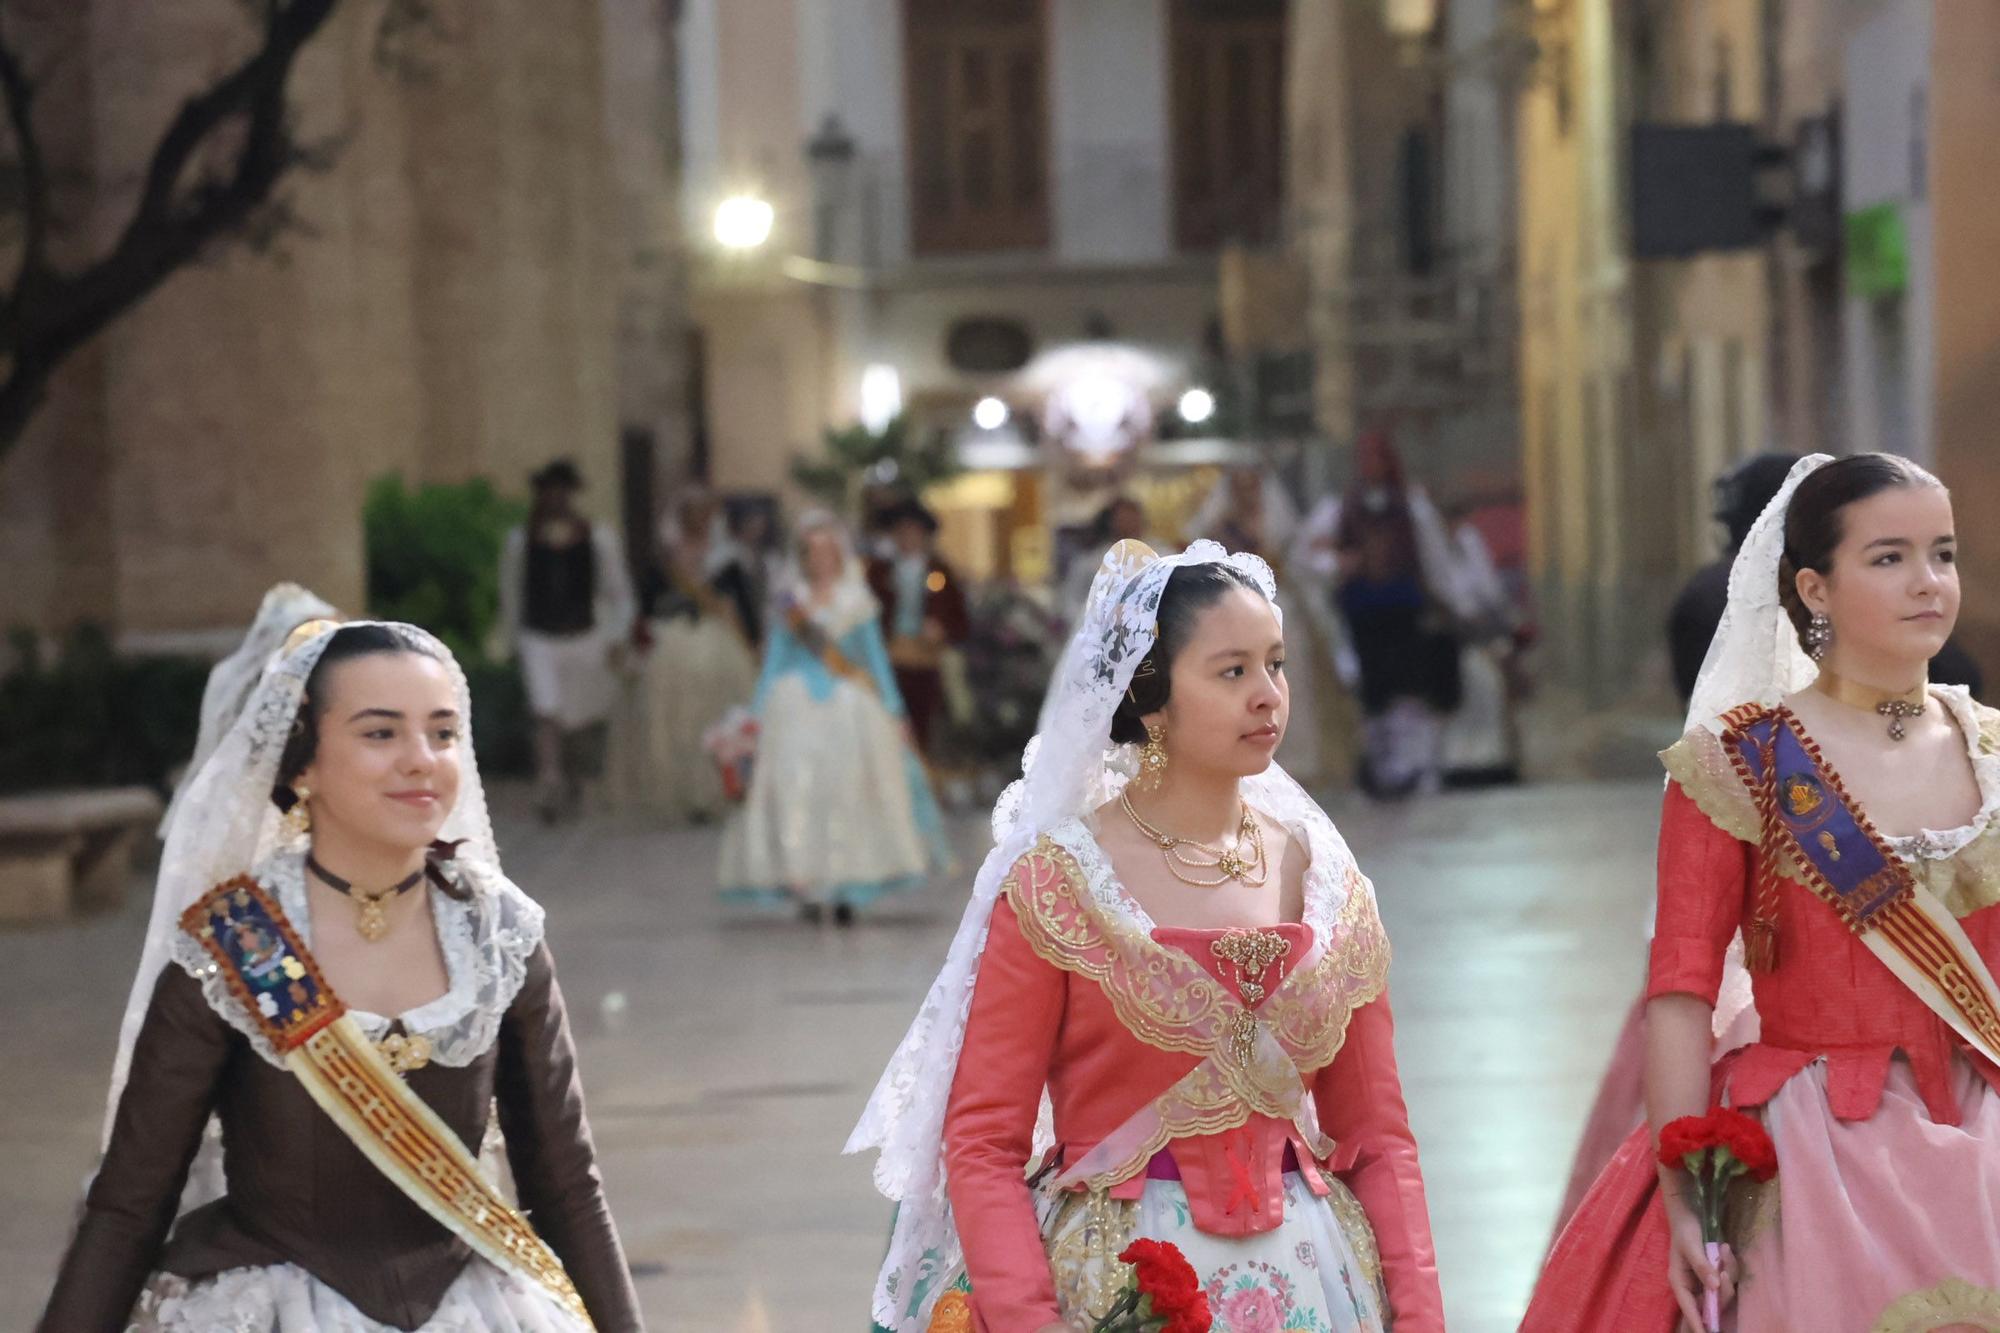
1845	862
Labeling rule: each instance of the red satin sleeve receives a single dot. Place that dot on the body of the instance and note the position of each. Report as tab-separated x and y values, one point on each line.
1360	1099
989	1129
1703	876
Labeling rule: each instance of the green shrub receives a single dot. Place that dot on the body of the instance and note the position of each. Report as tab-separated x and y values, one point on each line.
434	561
434	558
95	719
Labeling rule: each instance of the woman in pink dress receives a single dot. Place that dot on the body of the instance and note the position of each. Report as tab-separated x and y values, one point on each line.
1829	863
1165	1014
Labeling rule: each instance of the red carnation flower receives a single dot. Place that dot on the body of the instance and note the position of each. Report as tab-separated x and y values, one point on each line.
1164	1287
1748	1142
1714	1149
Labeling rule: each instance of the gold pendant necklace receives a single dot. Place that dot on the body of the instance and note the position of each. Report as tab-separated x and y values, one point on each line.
1227	862
371	916
1894	706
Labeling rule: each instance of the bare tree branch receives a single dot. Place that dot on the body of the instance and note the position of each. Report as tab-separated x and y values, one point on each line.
19	96
50	312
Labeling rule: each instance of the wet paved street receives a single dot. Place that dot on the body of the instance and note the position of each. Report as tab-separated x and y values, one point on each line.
726	1059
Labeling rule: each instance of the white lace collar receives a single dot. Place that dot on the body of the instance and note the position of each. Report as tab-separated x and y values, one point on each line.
1325	892
1942	844
486	941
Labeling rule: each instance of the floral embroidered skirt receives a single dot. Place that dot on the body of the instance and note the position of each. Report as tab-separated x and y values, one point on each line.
284	1298
1884	1225
1317	1272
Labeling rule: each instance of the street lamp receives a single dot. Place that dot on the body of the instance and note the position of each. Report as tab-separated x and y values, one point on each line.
743	222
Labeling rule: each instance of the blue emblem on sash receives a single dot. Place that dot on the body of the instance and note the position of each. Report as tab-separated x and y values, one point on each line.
1861	876
263	961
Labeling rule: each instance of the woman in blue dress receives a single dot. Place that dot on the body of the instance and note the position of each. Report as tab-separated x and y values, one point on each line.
839	811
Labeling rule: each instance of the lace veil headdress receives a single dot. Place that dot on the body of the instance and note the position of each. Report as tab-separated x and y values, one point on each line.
851	601
284	608
228	825
1754	658
1068	771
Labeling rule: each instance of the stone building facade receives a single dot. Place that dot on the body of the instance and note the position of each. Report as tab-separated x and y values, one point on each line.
451	307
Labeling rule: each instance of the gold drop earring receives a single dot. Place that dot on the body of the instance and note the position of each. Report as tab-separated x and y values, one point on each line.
297	821
1152	758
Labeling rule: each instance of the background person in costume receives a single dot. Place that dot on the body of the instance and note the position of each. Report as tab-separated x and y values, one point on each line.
1799	779
1398	594
697	660
384	864
1180	978
924	612
839	810
565	609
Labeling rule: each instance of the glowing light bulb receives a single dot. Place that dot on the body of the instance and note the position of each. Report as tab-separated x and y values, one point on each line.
1197	406
743	222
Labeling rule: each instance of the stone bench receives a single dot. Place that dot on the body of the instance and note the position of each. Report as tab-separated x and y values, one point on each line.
68	851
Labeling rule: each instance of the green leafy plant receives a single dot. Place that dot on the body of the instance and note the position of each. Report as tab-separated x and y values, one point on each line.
434	561
434	558
895	455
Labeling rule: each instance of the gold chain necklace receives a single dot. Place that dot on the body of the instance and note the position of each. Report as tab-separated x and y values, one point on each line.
1227	862
1896	706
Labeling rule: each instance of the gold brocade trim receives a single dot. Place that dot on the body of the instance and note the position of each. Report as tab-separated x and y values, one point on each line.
1169	1001
1165	999
1968	882
1952	1304
1084	1237
1310	1020
1701	765
1360	1234
1989	727
1200	1104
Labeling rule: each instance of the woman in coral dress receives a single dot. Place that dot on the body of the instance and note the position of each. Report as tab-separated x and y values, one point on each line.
1835	818
1165	1014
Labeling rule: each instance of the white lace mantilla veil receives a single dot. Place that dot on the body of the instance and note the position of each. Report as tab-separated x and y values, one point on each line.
851	602
228	825
284	608
1754	658
1069	770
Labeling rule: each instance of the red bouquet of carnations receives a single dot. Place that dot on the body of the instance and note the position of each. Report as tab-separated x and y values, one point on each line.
1162	1295
732	744
1715	1150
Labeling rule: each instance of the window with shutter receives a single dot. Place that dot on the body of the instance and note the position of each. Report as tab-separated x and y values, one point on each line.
976	91
1228	70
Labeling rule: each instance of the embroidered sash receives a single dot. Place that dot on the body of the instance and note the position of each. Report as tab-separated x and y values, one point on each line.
820	644
1845	862
269	971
